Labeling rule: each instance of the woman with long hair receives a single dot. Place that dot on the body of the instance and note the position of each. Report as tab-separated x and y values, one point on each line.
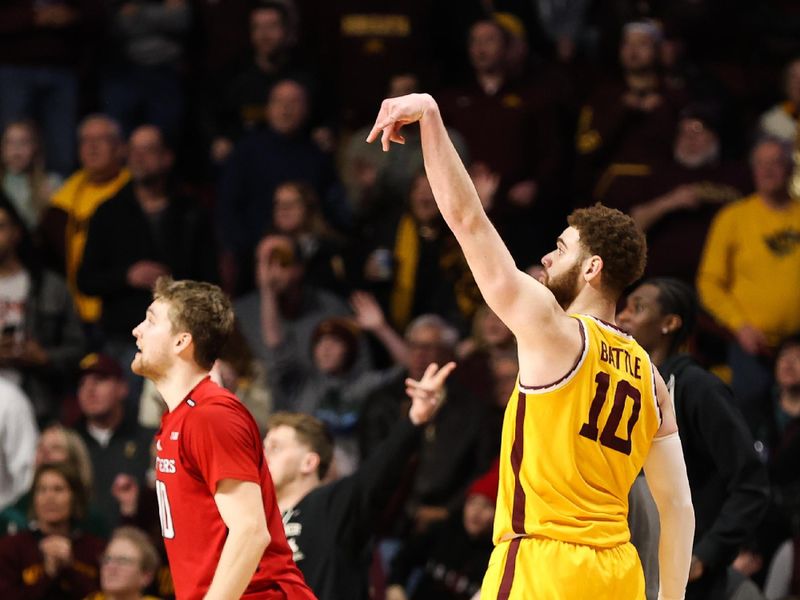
22	174
53	559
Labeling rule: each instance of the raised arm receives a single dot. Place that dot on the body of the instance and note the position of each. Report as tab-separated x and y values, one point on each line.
524	304
665	471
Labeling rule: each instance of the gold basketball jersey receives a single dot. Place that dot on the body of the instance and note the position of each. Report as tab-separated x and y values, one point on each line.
571	450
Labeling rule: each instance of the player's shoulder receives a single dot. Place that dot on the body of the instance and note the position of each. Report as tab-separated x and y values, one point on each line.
612	331
209	401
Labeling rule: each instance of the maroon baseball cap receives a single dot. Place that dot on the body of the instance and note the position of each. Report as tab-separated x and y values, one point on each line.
102	365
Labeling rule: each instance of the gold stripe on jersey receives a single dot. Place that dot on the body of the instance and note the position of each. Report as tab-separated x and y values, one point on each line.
571	450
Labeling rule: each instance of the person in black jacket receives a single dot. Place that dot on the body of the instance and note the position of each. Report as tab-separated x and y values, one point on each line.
450	558
135	237
730	491
329	526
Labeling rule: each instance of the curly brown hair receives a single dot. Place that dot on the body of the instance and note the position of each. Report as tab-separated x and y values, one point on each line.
203	310
614	237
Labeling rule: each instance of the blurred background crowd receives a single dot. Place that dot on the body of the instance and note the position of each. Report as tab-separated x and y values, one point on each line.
223	140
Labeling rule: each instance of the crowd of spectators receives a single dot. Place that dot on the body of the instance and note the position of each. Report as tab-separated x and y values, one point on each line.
223	141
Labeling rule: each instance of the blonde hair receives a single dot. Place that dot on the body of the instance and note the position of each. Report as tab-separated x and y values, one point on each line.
150	560
201	309
77	454
36	173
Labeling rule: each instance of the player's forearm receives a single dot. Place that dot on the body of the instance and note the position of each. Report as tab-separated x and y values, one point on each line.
243	548
451	184
271	330
666	476
488	258
396	345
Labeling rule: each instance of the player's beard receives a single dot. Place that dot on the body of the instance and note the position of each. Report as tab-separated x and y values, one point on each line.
565	286
145	367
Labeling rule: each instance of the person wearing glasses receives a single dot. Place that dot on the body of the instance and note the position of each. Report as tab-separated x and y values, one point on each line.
127	566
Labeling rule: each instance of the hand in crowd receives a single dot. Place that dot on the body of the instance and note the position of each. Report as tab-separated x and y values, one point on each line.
28	353
324	138
425	516
523	194
752	340
143	274
428	394
275	260
129	9
397	112
378	266
57	553
565	48
221	148
486	182
748	563
54	15
395	592
368	312
646	102
696	569
125	490
684	197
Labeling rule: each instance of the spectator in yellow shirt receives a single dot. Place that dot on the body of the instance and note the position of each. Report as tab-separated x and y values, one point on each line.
101	147
749	275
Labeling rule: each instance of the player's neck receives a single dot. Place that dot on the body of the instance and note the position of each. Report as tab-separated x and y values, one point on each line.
292	493
176	385
589	302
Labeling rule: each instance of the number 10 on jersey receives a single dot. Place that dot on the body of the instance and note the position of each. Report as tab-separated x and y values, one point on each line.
164	512
608	437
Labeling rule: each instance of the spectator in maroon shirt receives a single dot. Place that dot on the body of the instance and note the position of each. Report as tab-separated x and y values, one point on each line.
53	560
626	123
674	201
511	130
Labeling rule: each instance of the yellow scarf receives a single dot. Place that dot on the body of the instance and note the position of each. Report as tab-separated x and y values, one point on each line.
406	257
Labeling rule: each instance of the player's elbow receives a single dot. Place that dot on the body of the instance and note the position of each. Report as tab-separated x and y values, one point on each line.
677	507
253	535
261	537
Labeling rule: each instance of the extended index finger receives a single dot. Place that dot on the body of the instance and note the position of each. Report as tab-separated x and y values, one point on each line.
440	377
382	121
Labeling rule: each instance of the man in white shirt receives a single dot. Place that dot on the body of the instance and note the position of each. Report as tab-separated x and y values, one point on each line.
18	438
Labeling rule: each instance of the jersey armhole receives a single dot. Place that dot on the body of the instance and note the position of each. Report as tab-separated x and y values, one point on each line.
655	393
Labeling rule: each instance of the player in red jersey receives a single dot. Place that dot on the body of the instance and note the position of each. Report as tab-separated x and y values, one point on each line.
219	517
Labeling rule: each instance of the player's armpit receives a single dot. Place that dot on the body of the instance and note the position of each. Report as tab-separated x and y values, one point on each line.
241	507
669	423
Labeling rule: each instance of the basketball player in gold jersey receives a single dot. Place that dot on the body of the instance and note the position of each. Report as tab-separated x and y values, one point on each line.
588	411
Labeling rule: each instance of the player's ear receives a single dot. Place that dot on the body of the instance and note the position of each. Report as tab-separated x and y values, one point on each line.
592	267
310	463
184	341
670	324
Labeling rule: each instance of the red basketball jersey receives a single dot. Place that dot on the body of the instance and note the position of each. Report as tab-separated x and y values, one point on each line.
211	436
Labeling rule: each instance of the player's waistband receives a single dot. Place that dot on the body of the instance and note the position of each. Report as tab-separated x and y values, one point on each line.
508	537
